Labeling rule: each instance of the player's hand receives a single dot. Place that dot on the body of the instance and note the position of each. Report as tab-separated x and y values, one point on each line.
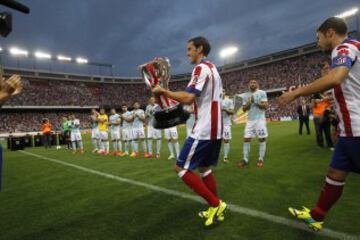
12	86
157	90
286	98
251	99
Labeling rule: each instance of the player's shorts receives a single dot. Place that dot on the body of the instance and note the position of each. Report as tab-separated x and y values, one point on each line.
346	156
75	136
199	153
138	133
95	133
115	134
227	133
127	134
171	133
153	132
256	128
103	135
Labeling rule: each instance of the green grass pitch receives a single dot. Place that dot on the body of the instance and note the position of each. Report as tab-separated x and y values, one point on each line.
45	200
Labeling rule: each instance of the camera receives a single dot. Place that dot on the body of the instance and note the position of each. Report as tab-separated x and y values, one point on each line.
6	17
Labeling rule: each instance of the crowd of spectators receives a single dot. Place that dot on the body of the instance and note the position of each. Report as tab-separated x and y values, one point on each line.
67	93
286	73
31	121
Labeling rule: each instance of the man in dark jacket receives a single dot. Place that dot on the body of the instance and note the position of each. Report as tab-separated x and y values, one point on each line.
303	111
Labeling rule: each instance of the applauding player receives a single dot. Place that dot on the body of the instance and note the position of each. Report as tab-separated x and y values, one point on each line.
127	129
115	122
75	135
138	130
255	102
103	122
152	133
228	110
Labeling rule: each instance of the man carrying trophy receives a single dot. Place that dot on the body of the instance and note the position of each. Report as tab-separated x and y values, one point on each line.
169	112
201	150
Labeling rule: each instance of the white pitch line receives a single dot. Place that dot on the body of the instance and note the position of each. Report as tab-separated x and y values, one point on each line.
232	207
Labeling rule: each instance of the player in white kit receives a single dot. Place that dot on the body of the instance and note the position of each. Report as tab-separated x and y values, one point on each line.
255	102
127	129
75	135
115	122
171	136
95	135
228	111
138	130
152	133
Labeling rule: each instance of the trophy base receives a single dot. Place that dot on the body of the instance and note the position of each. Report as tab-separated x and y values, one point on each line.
170	117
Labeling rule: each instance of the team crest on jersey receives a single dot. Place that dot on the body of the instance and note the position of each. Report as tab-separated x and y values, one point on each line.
343	52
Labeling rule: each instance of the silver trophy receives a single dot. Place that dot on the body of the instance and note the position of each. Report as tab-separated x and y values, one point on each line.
170	113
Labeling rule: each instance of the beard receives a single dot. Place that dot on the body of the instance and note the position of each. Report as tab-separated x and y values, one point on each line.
327	49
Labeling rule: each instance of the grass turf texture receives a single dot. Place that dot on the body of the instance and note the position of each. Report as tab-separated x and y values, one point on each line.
44	200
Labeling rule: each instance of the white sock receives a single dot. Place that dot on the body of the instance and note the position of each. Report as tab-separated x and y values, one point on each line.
119	145
262	150
126	143
107	146
136	146
133	145
114	145
149	141
94	143
246	151
81	146
158	146
73	145
226	149
177	149
98	142
170	146
144	145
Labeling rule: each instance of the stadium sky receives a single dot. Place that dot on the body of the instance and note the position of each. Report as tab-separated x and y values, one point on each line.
129	32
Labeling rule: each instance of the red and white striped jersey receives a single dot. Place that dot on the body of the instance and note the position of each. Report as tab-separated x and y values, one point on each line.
206	84
347	94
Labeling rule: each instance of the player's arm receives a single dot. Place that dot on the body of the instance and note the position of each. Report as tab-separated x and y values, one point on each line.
100	120
198	80
129	119
230	109
263	105
180	96
335	77
247	105
142	117
342	63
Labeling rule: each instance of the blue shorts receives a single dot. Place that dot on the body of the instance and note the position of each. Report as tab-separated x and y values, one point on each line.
347	155
199	153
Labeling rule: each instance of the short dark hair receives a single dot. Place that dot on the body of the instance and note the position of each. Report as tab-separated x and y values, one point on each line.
335	23
201	41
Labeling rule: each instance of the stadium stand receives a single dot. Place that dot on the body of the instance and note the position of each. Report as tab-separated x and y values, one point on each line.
71	93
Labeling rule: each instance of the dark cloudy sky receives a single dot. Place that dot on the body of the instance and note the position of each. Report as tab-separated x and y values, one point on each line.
127	33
